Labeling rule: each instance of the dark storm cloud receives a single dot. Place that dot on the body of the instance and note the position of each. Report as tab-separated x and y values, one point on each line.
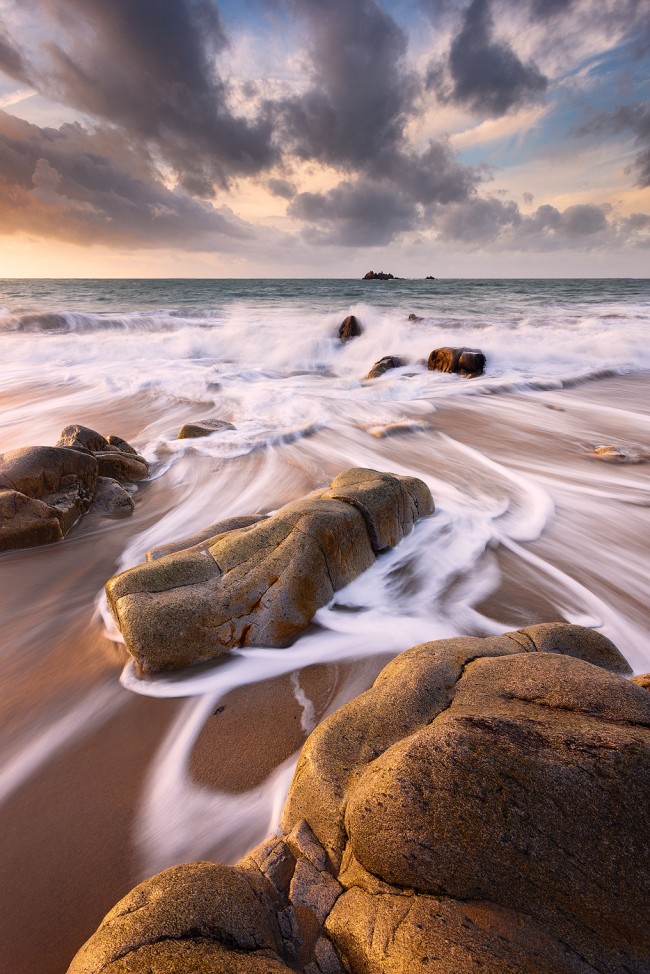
627	118
433	175
360	91
399	197
352	117
355	214
84	186
484	74
150	67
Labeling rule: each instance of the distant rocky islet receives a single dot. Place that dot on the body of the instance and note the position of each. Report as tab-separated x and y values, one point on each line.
384	276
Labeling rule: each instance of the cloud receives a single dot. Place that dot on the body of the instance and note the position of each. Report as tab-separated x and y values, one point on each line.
545	9
628	118
151	69
86	186
405	188
352	117
355	214
433	175
282	188
164	126
581	226
12	60
478	220
360	91
483	74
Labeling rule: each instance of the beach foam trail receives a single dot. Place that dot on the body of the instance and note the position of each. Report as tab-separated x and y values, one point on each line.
529	526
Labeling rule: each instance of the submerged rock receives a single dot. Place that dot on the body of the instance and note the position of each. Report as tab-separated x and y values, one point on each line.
482	807
618	454
350	328
260	584
45	489
112	498
203	427
399	426
384	365
463	361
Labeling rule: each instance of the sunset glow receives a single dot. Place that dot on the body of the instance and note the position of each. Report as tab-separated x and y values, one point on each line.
196	138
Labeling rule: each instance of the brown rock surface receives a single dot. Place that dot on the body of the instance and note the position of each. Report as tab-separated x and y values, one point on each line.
61	480
76	437
203	427
197	917
482	808
111	498
384	365
45	489
115	457
26	522
261	584
204	538
463	361
349	328
394	934
642	680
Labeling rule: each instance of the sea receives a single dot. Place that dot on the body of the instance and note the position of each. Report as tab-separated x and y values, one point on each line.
539	470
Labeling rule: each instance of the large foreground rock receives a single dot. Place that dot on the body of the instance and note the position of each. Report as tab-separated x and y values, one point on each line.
260	584
45	489
482	808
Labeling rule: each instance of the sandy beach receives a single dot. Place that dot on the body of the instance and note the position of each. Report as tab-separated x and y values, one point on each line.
82	756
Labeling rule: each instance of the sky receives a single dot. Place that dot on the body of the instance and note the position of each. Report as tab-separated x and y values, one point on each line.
324	138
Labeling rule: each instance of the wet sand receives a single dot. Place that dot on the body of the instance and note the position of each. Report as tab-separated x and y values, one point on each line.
78	752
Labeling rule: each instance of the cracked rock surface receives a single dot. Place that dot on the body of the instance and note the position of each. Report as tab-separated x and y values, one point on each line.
259	581
482	808
44	490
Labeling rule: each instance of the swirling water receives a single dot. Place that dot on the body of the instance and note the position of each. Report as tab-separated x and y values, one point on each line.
529	526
